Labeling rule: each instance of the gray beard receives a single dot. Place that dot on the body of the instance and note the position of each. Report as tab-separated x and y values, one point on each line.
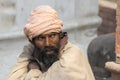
46	60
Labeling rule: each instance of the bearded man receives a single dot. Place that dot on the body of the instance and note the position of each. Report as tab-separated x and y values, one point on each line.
49	56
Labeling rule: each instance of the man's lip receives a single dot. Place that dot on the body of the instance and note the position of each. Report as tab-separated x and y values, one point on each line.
49	51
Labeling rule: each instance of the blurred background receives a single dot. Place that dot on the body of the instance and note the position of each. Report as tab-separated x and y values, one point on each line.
83	20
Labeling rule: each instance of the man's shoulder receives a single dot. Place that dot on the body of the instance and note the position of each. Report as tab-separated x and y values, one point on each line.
27	50
72	51
70	47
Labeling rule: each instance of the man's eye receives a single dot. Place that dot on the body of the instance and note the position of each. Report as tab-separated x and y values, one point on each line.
53	35
41	38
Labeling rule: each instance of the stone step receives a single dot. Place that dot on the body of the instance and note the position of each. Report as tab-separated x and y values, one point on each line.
7	17
12	34
7	3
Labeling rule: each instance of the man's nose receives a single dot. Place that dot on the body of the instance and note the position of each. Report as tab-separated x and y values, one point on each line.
47	41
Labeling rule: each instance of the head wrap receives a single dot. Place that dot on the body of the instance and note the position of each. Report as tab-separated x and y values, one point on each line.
42	19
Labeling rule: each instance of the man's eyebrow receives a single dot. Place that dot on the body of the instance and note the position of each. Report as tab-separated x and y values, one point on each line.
41	35
48	34
54	32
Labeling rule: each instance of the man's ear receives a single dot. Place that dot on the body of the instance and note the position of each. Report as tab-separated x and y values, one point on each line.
31	41
63	34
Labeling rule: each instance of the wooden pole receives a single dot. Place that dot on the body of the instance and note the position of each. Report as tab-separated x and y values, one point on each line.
118	32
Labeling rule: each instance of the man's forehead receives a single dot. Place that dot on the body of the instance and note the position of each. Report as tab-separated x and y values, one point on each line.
47	33
50	31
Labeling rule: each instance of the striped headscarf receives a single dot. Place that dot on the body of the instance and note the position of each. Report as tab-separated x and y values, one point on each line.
42	19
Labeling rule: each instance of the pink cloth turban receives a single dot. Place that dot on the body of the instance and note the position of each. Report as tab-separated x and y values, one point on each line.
42	19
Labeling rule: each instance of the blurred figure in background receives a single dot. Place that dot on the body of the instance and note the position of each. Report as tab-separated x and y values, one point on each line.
100	51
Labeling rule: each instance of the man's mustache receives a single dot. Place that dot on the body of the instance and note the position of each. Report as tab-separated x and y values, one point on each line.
49	48
45	59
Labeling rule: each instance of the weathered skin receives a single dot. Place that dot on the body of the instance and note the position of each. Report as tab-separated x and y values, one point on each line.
101	50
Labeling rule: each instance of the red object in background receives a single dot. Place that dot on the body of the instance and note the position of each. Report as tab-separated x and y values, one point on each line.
118	30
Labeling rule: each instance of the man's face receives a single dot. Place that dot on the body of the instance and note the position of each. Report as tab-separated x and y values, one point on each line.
48	40
47	48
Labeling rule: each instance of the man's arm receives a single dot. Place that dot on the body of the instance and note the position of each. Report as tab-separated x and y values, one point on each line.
20	69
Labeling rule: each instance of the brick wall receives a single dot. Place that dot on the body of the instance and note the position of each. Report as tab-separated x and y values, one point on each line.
107	11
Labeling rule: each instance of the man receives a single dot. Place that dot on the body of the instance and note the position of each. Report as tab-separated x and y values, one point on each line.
49	56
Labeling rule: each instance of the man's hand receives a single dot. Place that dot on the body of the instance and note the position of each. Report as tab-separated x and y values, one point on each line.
33	65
